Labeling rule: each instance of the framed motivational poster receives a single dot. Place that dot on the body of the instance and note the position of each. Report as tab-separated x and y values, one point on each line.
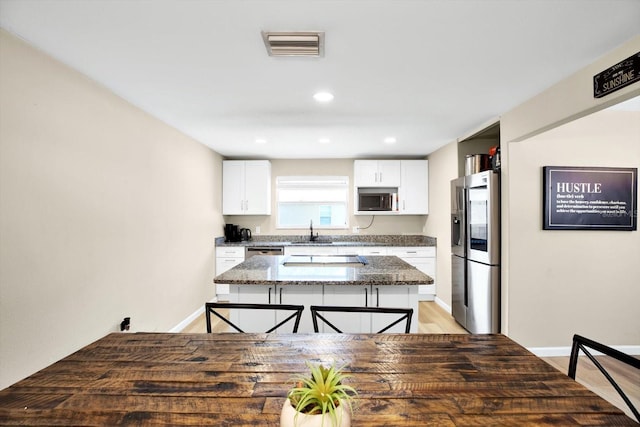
590	198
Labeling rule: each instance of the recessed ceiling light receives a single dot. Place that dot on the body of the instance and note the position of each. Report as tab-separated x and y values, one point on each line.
390	140
323	97
324	140
261	141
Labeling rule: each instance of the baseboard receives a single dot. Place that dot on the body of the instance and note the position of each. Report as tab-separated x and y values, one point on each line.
566	351
193	316
443	305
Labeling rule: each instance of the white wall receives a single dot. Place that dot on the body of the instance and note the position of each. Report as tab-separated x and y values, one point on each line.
105	212
557	283
443	167
566	282
405	224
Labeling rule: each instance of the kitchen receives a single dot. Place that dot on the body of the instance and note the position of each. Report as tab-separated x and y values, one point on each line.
136	230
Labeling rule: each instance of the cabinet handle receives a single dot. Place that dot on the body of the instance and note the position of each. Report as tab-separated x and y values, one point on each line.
366	298
269	295
377	297
280	295
246	205
380	176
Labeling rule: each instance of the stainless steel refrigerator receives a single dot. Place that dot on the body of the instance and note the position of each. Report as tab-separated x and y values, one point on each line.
475	252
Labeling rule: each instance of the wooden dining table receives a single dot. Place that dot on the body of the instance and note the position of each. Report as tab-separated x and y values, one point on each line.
242	379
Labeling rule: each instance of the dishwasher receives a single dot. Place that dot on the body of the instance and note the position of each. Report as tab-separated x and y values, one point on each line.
262	250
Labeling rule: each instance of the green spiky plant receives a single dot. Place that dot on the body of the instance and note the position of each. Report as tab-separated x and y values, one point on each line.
322	393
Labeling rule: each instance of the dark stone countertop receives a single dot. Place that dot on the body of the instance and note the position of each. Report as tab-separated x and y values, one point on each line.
333	240
269	270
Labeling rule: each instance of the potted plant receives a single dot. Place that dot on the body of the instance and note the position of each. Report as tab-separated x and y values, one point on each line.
318	398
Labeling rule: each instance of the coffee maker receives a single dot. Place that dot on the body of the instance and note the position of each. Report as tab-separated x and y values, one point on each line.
231	233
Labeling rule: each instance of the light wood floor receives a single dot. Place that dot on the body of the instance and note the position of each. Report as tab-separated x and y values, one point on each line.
432	319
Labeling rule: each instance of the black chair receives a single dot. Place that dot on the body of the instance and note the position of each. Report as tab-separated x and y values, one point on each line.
582	343
212	307
406	314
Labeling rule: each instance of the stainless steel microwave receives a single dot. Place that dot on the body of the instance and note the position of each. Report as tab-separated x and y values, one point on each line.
375	201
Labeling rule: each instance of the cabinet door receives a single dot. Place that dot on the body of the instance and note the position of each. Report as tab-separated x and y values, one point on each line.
346	295
365	173
224	264
253	320
394	296
257	187
376	173
427	266
424	259
299	295
389	173
413	193
233	187
373	250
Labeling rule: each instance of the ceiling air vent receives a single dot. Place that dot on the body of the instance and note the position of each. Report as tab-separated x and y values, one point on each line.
303	43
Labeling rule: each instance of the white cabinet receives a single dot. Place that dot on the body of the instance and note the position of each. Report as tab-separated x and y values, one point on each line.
226	257
350	296
306	295
261	320
409	178
393	296
246	187
373	250
376	173
413	193
362	250
424	259
252	320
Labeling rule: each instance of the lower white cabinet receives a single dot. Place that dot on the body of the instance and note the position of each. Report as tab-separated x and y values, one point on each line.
251	320
388	296
345	295
395	296
227	257
306	295
261	320
424	259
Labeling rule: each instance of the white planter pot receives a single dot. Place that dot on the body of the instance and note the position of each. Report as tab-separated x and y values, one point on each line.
288	417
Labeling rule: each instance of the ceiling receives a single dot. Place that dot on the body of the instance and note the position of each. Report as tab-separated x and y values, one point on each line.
425	72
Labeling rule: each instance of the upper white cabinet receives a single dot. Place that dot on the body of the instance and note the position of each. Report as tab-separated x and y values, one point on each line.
413	193
246	187
376	173
409	179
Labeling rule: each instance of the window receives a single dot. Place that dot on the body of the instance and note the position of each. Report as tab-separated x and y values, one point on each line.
321	199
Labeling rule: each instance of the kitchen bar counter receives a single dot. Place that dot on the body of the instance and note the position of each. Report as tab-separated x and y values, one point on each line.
333	240
270	269
242	380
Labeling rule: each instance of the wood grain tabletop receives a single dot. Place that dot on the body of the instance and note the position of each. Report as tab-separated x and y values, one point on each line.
242	379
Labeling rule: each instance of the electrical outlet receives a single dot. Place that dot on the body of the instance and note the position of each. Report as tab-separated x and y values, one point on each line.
257	229
355	229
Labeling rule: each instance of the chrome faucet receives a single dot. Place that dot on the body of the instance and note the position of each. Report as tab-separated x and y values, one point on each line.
312	238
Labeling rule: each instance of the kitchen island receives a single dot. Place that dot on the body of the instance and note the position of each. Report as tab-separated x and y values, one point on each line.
381	281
